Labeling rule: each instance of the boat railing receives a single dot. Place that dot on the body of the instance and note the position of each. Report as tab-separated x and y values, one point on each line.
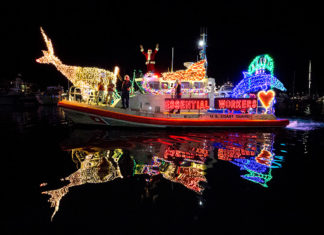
75	94
90	96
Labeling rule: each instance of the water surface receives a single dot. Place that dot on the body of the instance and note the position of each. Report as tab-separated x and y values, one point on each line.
60	179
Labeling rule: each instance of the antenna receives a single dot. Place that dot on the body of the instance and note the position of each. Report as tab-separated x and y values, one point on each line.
172	57
309	77
293	88
202	44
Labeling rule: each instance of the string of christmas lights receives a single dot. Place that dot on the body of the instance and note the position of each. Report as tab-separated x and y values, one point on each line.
259	77
195	72
86	78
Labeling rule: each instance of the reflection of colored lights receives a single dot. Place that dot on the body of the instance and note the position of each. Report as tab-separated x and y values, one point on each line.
265	158
232	152
194	153
179	158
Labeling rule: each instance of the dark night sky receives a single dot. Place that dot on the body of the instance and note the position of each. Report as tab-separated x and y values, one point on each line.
108	33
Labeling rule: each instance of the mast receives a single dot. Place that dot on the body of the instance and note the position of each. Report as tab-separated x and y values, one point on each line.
293	88
172	59
309	77
202	45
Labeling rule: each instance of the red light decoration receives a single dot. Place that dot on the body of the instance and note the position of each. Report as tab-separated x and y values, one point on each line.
264	158
236	104
188	104
233	152
191	178
266	98
196	152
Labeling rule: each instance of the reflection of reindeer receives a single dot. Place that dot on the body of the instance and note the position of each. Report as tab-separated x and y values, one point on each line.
79	76
94	168
99	166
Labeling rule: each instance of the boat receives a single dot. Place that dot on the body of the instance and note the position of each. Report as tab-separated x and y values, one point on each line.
17	92
251	103
50	96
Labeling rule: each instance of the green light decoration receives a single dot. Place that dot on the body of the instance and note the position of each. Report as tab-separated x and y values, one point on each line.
137	82
261	62
257	177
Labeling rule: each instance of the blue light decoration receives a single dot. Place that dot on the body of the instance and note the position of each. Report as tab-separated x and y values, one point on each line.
258	77
259	172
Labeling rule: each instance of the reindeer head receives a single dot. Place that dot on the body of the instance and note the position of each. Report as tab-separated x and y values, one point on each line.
48	56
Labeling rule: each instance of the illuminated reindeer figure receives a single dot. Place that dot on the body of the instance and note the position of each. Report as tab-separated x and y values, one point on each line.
86	78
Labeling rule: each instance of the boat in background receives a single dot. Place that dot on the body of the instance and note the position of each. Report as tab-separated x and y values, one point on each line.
51	96
17	92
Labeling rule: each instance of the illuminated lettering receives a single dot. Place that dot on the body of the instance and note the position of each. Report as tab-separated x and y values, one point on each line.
189	104
243	104
182	104
177	104
236	104
248	103
221	104
171	106
167	105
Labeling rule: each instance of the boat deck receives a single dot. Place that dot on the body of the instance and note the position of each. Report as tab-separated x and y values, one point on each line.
104	115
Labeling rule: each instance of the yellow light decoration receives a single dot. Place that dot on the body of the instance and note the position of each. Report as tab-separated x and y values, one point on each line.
195	72
90	171
79	76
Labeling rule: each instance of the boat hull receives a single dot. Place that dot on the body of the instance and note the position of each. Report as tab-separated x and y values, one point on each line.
94	115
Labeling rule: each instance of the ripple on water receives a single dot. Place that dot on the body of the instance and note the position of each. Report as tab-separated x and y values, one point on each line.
304	124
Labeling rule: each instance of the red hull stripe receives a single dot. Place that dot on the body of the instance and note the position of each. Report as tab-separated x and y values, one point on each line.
171	121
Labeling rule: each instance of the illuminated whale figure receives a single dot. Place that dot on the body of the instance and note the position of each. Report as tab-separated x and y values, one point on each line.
259	77
86	78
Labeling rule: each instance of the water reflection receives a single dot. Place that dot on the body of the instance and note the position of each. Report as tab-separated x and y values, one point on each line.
180	157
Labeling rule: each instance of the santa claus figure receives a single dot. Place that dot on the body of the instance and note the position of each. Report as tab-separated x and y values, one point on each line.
150	57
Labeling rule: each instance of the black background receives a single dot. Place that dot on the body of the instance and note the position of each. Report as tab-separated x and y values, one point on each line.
108	33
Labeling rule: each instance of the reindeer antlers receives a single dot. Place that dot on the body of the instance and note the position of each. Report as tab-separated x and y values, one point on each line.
48	42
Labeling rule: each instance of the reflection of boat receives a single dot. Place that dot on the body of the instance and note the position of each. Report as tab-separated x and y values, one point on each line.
50	96
180	157
153	106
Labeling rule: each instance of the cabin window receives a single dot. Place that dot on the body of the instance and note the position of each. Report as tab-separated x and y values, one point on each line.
154	85
185	85
164	85
198	85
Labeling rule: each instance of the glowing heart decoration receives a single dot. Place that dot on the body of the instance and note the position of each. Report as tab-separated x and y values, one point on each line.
266	98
